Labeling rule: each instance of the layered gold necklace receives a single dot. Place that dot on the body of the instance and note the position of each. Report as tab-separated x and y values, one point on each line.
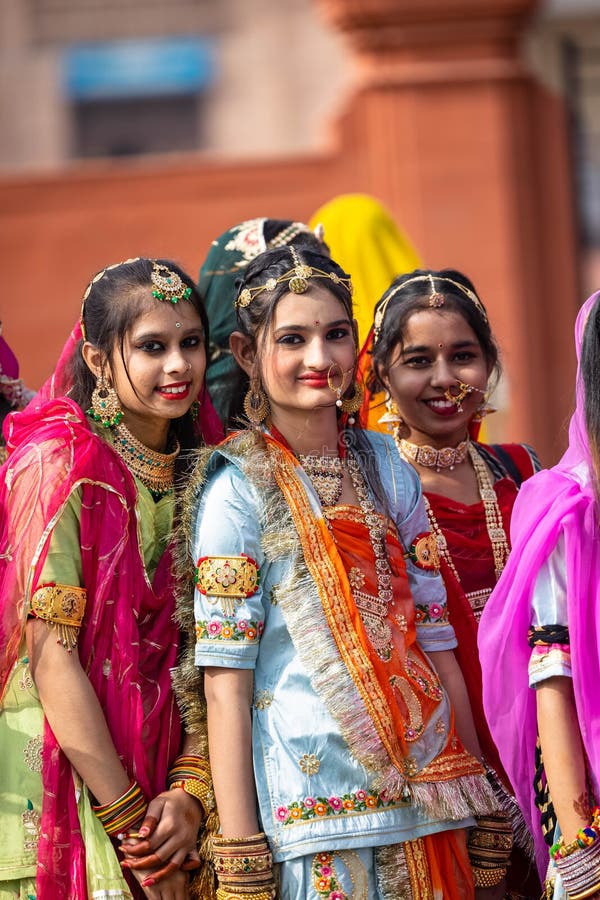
491	508
326	474
155	470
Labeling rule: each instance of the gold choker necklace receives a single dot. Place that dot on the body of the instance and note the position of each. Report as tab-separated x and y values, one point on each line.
155	470
446	458
493	523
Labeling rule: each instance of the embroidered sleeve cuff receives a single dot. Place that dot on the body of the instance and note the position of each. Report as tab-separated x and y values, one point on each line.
548	662
432	637
225	657
228	642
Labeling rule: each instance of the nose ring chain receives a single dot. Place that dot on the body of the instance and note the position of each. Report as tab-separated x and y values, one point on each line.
464	390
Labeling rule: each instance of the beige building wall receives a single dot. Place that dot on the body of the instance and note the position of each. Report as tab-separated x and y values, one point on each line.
280	77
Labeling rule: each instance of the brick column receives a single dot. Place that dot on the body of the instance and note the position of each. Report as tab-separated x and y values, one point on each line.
450	129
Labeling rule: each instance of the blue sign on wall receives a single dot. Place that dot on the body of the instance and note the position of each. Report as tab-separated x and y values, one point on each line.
138	68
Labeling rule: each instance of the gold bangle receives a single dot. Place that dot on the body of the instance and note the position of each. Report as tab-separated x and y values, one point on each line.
223	843
588	892
227	894
244	864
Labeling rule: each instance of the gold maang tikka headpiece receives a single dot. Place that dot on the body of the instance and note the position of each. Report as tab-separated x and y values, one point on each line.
297	279
436	299
167	285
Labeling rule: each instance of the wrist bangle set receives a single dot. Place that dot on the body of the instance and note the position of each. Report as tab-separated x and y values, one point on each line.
192	774
579	861
490	845
117	817
244	867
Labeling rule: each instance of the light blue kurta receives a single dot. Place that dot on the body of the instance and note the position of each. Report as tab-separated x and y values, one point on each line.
313	793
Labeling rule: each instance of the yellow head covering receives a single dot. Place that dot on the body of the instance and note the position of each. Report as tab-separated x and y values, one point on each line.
366	242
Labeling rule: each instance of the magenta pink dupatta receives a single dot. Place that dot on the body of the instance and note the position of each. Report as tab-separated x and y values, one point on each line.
128	642
555	501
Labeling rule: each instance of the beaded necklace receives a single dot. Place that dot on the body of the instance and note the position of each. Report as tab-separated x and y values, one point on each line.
155	470
326	474
493	517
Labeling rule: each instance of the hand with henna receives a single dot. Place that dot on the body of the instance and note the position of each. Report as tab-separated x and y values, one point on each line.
166	840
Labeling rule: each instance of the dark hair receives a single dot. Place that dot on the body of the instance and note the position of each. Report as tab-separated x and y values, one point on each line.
237	382
401	304
255	318
117	297
590	371
308	239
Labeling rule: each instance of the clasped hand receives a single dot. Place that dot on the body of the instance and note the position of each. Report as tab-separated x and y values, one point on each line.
165	847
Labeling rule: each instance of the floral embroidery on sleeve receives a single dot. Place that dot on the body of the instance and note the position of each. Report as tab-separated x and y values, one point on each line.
324	807
229	630
431	613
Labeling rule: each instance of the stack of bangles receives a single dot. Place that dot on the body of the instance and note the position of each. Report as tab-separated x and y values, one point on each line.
579	861
490	845
192	774
244	867
123	813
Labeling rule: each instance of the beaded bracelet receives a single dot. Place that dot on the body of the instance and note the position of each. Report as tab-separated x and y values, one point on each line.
585	838
117	817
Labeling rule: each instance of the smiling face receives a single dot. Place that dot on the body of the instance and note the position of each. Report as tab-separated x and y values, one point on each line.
311	336
440	349
161	370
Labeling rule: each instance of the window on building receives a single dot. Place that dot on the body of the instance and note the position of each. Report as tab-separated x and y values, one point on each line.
137	96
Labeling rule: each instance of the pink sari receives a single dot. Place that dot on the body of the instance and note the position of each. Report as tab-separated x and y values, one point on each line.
555	501
128	640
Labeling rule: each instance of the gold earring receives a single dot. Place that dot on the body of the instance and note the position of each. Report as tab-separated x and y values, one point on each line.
106	407
484	409
353	404
392	415
256	404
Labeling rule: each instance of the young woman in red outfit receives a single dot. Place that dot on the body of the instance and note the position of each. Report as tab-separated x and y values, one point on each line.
434	354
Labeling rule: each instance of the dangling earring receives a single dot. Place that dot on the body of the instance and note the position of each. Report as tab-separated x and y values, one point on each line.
105	408
352	404
484	409
256	403
392	415
336	390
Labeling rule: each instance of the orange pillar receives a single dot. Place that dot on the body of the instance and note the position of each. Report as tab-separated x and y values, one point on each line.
471	154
